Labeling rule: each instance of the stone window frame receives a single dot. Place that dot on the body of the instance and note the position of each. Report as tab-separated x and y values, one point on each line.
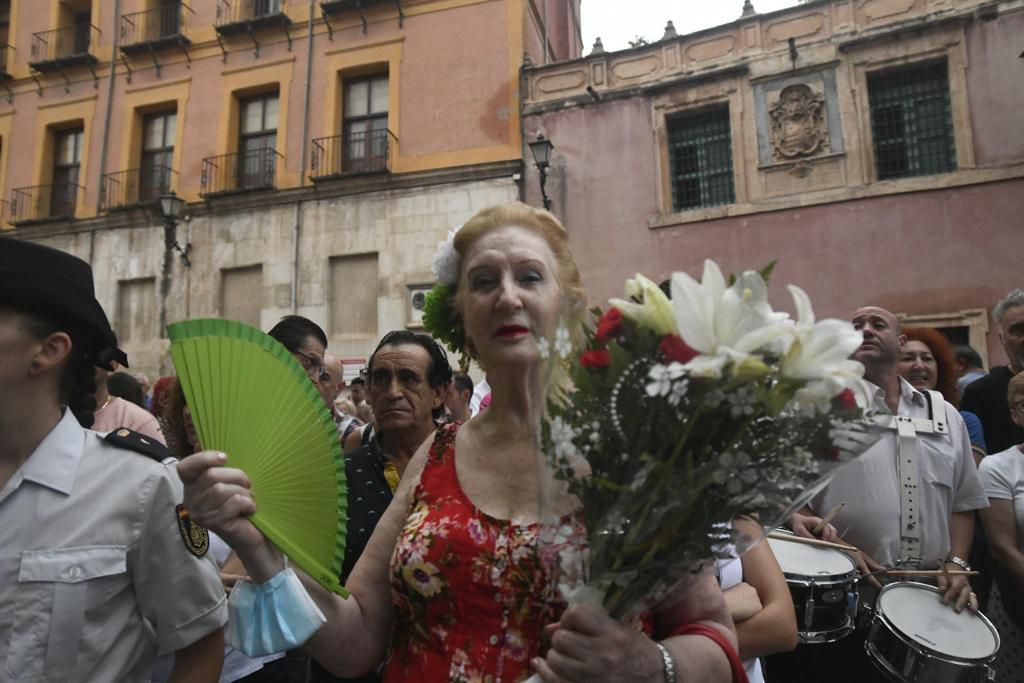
974	319
689	99
889	52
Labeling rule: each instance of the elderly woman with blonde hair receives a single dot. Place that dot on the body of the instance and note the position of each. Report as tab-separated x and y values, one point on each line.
450	586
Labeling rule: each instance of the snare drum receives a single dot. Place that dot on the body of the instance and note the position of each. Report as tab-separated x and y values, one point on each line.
823	583
914	637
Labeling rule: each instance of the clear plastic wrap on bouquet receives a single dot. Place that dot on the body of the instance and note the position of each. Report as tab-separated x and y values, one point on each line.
681	416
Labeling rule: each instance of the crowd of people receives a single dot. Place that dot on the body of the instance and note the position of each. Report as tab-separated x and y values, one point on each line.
101	572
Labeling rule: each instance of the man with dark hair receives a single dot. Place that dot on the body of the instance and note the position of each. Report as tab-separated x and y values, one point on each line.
459	394
968	367
357	391
100	566
986	397
408	379
305	340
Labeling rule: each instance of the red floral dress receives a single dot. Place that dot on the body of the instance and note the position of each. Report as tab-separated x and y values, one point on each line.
470	596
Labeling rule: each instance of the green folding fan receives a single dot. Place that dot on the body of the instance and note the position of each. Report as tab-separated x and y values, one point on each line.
251	399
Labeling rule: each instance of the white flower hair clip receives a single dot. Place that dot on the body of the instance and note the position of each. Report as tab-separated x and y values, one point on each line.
445	265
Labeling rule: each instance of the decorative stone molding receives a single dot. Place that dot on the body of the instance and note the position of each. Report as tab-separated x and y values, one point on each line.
798	123
798	116
820	29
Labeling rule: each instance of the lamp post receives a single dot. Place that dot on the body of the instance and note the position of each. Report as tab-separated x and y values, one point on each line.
171	206
541	150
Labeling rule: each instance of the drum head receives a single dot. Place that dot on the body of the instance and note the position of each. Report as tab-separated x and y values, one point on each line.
798	559
916	610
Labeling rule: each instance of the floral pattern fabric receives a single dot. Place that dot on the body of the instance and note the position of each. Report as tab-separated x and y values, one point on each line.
470	595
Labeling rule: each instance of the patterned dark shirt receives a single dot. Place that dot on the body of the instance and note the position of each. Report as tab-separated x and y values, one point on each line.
368	497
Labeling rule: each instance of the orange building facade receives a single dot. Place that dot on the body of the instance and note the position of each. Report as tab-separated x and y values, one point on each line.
323	148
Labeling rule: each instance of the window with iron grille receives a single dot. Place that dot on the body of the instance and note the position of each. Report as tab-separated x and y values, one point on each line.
700	159
912	121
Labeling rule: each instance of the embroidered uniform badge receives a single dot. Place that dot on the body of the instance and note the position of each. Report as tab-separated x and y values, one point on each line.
197	538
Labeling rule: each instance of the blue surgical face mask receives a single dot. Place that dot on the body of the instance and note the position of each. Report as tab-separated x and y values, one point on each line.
271	617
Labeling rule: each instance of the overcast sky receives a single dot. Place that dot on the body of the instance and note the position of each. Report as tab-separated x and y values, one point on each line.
619	21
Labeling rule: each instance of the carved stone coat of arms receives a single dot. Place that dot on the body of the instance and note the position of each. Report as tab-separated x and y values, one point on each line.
798	123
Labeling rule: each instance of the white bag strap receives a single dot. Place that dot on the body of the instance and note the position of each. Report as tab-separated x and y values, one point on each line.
907	429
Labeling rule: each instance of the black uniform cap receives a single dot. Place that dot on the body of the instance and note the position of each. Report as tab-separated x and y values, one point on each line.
59	286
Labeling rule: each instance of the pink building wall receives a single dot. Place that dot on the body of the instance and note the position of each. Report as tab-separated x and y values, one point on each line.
916	253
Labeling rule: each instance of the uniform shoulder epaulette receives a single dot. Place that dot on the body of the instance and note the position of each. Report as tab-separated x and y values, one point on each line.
123	437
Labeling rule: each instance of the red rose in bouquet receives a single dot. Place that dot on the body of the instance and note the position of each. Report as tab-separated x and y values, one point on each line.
609	326
674	348
596	359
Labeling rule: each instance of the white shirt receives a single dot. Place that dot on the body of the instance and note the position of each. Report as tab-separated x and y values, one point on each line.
869	485
730	573
479	392
1003	477
94	574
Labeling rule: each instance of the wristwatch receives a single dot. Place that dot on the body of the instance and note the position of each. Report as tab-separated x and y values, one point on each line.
960	562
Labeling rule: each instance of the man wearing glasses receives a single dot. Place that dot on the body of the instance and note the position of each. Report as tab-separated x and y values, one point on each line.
305	340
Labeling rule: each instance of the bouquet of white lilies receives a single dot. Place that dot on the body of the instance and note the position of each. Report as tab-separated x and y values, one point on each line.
682	415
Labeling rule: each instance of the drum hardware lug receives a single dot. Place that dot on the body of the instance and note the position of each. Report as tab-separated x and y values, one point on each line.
990	673
809	607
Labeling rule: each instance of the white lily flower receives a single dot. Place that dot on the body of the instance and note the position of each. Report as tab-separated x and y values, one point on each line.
654	311
728	324
820	355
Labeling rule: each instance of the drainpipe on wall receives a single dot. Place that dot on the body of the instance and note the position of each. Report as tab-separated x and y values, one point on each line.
297	223
110	103
544	31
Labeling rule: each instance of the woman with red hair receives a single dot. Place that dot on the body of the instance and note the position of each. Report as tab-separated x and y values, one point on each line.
928	362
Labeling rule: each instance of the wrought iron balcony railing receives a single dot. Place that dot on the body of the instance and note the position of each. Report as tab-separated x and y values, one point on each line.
44	202
242	14
61	47
155	28
239	172
352	154
136	186
334	7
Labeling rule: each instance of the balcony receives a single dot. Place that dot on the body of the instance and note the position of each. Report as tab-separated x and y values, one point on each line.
239	172
135	187
245	16
63	47
44	202
155	29
359	153
330	8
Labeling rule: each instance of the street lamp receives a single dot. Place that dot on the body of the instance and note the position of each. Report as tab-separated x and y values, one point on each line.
541	149
171	206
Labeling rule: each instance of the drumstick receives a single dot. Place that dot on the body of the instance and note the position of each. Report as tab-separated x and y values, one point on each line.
925	572
827	519
811	541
